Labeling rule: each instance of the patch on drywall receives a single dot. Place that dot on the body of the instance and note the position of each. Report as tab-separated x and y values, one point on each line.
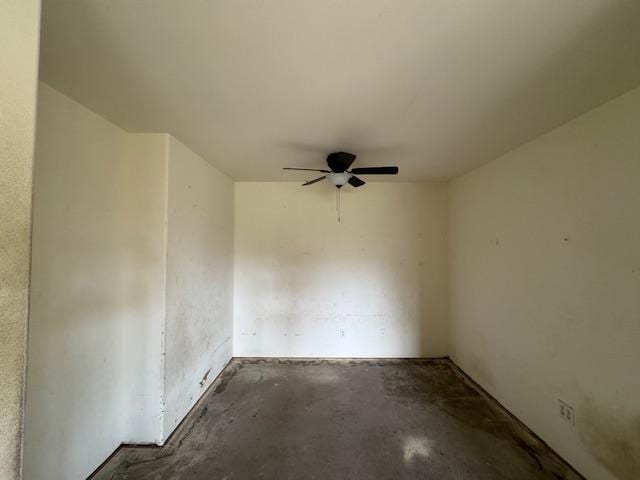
612	438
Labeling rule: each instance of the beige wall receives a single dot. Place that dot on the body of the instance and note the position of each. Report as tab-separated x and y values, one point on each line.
19	39
94	358
373	285
131	295
199	301
143	199
545	284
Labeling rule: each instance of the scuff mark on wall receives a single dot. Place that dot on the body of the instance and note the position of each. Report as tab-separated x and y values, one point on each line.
199	298
204	378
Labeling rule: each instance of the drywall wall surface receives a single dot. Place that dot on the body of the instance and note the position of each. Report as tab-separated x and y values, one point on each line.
545	284
142	198
373	285
94	275
74	389
199	301
19	40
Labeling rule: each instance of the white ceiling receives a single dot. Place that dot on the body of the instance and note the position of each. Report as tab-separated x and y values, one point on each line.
436	87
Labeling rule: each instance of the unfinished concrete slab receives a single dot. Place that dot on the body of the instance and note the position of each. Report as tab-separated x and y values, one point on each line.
344	419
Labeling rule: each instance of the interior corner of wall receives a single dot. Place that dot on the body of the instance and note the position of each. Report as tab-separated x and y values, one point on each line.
169	139
162	435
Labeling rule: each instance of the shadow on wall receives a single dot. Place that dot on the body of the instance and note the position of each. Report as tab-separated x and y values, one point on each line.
510	119
147	95
79	306
611	438
94	285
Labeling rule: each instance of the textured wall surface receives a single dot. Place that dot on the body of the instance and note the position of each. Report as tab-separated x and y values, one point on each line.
374	284
199	301
546	285
19	39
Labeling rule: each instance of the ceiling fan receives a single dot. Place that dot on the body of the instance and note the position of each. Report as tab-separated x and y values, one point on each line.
339	173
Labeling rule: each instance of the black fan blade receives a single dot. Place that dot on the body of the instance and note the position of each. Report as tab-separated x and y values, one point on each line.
356	182
340	161
308	169
375	171
311	182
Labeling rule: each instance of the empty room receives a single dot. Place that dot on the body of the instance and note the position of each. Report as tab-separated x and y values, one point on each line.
319	239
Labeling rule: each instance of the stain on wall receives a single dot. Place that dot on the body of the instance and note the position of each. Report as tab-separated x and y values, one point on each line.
612	437
374	284
199	292
19	40
551	312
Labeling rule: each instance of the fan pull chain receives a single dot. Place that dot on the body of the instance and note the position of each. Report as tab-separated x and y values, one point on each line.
338	203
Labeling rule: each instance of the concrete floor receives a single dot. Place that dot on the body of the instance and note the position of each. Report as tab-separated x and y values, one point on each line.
326	419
